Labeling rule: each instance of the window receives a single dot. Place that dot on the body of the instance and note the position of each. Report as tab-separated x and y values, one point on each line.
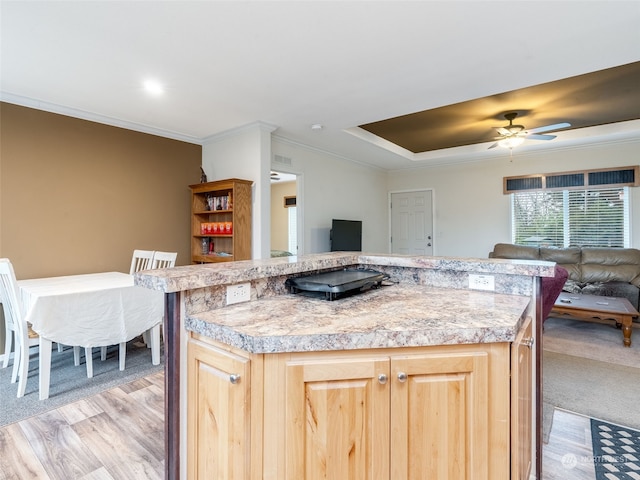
563	218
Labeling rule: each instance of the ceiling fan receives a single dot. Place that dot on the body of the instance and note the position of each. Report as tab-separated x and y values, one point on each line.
275	176
513	135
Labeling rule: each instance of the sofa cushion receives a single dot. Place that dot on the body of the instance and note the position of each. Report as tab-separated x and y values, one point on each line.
568	258
610	264
516	252
592	273
611	256
561	255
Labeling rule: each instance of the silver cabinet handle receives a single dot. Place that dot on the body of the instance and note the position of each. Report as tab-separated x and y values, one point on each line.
234	378
402	377
528	342
382	378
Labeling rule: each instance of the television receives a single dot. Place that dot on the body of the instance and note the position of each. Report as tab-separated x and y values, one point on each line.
346	235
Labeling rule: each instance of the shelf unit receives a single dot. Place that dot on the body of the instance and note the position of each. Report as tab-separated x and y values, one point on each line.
232	207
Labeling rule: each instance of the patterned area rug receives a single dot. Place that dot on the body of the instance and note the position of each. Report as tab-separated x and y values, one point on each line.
616	451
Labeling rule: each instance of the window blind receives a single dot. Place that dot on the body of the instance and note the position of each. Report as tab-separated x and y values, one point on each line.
601	178
563	218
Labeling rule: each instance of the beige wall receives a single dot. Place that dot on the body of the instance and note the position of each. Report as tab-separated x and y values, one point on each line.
79	197
280	214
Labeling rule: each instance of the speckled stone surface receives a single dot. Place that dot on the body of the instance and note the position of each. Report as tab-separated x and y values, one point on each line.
389	317
430	303
191	277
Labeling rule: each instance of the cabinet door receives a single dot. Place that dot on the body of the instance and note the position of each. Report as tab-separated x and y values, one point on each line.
439	409
337	419
218	414
521	404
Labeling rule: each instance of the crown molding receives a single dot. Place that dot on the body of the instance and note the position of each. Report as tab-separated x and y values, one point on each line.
263	126
618	133
297	143
92	117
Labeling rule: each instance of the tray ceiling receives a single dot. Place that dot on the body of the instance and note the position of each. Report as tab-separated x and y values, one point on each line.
598	98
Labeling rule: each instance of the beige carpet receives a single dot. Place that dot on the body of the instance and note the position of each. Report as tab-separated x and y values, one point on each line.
597	341
587	370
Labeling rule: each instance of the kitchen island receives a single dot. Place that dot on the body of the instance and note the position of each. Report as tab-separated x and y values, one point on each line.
422	376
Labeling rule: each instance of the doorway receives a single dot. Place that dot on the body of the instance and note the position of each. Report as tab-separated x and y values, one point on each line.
412	222
285	214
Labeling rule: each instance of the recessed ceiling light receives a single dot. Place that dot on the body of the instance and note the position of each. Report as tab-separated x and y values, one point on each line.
316	126
154	87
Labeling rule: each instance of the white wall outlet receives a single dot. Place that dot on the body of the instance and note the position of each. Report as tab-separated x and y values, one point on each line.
482	282
238	293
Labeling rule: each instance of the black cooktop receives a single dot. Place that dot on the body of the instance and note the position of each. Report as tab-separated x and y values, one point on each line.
336	284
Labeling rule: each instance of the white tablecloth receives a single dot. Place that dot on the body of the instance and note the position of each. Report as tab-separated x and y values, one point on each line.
90	310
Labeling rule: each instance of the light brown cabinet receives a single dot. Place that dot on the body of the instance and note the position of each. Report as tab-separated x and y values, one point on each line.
413	416
522	418
337	418
403	413
221	221
218	393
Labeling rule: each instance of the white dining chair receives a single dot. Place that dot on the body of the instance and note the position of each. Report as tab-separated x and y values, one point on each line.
164	260
141	260
24	336
160	260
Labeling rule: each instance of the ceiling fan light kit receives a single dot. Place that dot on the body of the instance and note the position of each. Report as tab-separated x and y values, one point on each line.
513	135
511	142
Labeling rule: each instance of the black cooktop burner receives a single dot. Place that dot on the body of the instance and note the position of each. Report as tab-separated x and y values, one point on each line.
337	284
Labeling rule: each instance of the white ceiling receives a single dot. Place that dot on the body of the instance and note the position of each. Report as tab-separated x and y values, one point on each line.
228	64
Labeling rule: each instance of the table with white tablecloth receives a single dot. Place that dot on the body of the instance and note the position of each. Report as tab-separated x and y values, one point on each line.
90	310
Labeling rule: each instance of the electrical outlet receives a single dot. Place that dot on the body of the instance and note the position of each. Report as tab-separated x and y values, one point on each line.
482	282
238	293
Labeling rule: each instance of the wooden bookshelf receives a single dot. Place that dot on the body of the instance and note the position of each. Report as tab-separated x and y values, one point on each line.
221	221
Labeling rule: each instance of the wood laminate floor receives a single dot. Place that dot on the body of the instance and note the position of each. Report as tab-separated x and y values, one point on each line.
568	455
119	435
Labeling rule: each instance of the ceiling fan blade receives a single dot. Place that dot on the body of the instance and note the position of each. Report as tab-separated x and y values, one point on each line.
536	136
547	128
493	146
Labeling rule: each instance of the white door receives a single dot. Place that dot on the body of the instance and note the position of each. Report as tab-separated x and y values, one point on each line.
412	223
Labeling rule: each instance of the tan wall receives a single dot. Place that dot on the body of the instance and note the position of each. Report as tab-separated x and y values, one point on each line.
79	197
279	215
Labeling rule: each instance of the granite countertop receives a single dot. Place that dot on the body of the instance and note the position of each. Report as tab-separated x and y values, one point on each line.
392	316
191	277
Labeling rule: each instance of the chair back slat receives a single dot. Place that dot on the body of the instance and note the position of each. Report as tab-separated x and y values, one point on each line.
164	260
141	260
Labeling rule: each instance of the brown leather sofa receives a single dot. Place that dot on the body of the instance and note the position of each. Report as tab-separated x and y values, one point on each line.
611	272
